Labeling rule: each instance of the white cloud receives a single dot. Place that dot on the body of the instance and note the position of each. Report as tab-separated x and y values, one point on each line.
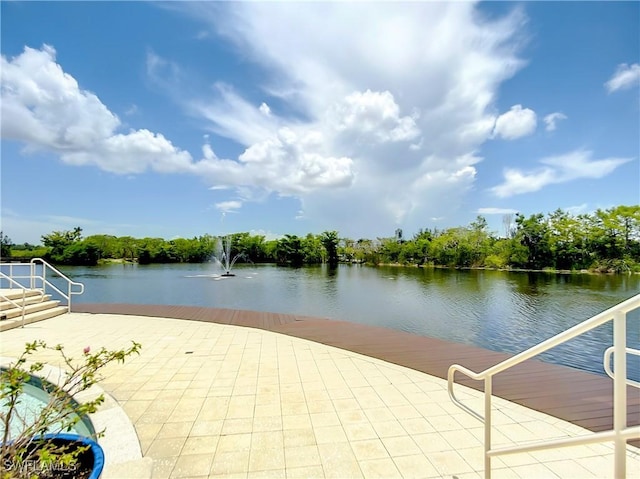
373	116
264	109
515	123
232	116
577	209
557	169
551	119
496	211
384	120
229	206
45	108
625	77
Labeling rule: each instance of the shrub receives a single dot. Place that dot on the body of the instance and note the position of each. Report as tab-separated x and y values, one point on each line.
59	414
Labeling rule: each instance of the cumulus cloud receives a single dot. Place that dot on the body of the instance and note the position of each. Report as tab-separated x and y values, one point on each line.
378	124
383	121
229	206
551	119
515	123
624	77
557	169
496	211
45	108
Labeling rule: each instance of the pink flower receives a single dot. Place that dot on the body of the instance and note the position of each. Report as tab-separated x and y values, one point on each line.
87	349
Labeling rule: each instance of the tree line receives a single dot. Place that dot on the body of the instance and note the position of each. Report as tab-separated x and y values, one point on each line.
604	241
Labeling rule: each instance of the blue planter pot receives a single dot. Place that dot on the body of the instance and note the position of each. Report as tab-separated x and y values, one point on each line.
93	458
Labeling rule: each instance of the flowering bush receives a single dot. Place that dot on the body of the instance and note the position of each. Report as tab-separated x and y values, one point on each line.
24	451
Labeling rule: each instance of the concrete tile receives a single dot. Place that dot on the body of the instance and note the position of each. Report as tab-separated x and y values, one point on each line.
572	468
379	468
270	423
388	428
294	408
297	421
352	416
320	406
359	431
226	463
266	410
174	429
322	419
450	463
307	472
300	456
299	437
192	465
266	459
267	440
329	434
237	426
415	466
405	412
234	442
369	449
417	425
338	461
539	471
201	445
268	474
162	467
400	446
206	428
170	447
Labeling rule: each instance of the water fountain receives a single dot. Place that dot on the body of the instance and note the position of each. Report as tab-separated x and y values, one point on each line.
223	257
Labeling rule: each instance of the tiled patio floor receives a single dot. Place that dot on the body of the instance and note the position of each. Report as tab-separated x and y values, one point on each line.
213	400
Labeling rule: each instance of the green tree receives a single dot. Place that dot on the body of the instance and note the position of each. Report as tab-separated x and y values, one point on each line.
330	241
59	241
533	234
313	251
567	242
289	251
5	245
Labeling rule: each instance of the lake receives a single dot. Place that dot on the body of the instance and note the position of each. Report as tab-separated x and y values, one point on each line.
497	310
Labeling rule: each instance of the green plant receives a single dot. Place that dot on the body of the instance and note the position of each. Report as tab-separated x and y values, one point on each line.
24	450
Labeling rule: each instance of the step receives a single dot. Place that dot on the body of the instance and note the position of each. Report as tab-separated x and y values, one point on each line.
32	299
32	318
16	293
29	308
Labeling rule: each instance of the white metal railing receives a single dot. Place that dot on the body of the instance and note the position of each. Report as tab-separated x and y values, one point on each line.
41	282
13	282
620	433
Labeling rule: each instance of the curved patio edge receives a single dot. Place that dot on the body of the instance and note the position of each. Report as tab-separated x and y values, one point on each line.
576	396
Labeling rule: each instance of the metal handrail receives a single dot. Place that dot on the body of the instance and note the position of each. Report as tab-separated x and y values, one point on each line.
70	283
607	364
24	294
619	434
34	279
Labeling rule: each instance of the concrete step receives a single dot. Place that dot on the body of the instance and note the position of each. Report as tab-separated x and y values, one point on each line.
32	317
32	299
14	312
15	294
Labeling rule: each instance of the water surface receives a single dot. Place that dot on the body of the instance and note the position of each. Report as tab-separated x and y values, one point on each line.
501	311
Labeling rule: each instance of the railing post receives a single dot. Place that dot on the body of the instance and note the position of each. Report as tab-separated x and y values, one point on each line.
44	278
32	276
24	297
620	392
487	426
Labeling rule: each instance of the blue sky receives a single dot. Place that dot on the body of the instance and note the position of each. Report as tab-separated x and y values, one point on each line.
179	119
